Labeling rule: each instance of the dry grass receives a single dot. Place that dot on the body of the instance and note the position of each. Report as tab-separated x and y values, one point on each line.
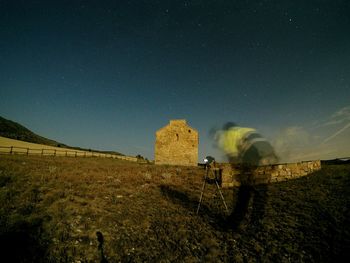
51	209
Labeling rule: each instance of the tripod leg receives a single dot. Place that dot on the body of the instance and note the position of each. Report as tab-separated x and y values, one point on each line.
222	197
200	199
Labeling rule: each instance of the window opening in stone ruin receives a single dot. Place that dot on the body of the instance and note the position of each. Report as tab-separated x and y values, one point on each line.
177	136
189	131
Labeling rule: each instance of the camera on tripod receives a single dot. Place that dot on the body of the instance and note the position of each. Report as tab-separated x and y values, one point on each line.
212	176
213	172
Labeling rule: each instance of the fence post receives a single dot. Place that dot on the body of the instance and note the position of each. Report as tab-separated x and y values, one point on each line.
84	154
75	154
27	151
11	150
42	152
54	154
66	154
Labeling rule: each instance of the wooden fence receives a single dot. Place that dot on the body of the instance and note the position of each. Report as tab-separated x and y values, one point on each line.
63	152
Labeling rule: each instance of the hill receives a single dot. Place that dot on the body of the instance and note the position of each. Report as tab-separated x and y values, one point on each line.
52	208
336	161
14	130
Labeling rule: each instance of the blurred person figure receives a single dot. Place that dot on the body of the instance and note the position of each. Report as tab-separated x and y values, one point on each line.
244	146
246	149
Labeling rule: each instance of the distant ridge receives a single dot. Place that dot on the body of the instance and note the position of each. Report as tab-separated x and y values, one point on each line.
14	130
345	160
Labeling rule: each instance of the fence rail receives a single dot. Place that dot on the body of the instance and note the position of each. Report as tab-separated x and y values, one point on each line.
63	152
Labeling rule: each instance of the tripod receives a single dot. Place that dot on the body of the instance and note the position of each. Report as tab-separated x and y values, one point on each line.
211	177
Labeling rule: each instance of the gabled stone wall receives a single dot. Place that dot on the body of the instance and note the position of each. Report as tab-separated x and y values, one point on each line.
177	144
232	175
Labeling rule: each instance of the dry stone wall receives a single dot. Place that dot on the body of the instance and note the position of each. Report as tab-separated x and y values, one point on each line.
233	175
177	144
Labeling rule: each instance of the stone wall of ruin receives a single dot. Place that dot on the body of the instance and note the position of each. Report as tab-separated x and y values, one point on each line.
231	175
176	144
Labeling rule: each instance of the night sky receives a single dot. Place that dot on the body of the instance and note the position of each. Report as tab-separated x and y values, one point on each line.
108	74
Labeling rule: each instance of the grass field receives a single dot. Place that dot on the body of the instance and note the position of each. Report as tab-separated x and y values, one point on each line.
51	209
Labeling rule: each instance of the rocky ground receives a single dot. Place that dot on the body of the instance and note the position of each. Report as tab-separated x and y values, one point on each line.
52	208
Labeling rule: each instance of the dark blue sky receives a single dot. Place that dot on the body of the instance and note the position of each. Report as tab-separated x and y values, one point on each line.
108	74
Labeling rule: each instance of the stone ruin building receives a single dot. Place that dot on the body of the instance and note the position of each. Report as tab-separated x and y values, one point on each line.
177	144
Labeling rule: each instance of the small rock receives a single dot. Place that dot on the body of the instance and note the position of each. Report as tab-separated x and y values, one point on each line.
147	176
166	175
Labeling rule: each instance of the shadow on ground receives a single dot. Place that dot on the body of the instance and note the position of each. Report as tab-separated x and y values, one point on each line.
23	241
190	202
